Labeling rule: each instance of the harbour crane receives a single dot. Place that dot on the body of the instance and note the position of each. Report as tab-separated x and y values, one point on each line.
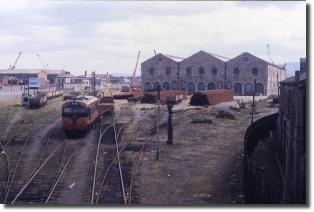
42	63
134	72
18	57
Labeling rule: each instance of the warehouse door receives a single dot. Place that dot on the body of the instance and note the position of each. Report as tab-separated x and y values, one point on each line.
201	86
147	86
248	89
211	86
191	88
259	89
237	89
166	86
156	85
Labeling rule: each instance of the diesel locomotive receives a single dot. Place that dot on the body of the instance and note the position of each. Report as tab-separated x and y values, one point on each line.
79	114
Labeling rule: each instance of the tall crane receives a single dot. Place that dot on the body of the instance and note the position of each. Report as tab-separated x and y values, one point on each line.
134	72
41	61
18	57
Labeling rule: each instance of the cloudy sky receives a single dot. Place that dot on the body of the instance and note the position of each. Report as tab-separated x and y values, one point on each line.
106	36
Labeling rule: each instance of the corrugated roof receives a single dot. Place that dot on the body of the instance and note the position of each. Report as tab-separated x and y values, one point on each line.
21	71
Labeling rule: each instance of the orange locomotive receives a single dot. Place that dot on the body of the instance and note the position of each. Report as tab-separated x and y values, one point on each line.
79	113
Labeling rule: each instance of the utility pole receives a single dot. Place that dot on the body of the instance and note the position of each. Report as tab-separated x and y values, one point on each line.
94	83
157	119
170	129
253	106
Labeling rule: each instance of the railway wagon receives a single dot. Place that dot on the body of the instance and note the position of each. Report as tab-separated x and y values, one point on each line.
37	100
71	95
54	94
106	104
79	114
173	96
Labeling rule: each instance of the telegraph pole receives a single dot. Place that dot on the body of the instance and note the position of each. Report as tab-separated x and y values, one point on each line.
157	120
170	129
94	82
253	106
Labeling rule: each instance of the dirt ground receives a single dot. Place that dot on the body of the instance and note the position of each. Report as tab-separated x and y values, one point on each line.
203	166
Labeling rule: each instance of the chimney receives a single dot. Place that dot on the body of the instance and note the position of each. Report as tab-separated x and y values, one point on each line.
85	73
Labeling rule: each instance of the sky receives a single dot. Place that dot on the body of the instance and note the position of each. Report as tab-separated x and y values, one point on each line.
106	36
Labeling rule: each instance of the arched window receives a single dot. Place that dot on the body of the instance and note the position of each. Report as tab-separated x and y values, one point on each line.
156	85
259	88
191	88
211	86
188	71
168	71
248	89
201	86
236	71
255	71
214	71
201	70
183	85
151	71
237	89
173	85
229	85
219	85
147	86
166	86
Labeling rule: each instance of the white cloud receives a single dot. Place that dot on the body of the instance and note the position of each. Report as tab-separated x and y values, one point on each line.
107	35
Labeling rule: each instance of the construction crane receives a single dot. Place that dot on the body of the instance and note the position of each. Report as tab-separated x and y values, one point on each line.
18	57
134	72
268	52
42	63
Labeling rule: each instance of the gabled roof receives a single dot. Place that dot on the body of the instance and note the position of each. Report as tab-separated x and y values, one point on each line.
251	55
159	55
203	54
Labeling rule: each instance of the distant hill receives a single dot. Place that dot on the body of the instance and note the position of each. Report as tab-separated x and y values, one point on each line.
291	67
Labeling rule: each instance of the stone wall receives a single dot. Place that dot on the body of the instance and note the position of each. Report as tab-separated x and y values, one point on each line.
202	71
243	69
274	76
160	69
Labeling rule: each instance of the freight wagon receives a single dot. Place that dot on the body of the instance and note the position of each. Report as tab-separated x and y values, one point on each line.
37	100
174	96
54	94
106	104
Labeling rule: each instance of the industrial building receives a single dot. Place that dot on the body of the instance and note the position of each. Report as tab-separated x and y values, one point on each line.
204	71
21	76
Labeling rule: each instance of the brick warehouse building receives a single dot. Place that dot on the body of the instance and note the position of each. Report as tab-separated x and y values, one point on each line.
203	71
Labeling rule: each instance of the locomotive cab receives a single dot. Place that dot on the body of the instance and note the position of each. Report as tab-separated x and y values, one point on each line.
79	114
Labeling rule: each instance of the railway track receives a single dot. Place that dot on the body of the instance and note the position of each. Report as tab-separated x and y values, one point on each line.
111	174
117	182
33	189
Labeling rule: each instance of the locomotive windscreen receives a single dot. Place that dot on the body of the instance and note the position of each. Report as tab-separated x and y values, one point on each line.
79	111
